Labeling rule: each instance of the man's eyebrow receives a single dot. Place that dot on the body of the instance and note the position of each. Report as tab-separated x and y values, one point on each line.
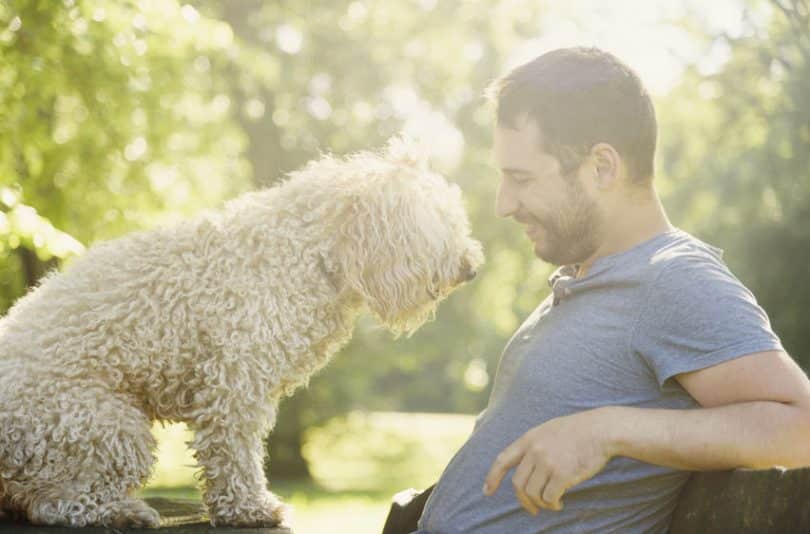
514	170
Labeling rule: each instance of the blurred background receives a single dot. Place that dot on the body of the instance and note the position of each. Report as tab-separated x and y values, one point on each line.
121	115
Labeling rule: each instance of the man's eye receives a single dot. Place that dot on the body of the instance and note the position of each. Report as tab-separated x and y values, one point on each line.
515	178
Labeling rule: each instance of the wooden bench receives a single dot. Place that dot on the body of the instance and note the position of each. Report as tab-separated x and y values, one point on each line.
740	502
176	517
743	501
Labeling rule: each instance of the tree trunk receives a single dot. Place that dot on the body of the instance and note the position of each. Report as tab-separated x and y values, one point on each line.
285	458
33	267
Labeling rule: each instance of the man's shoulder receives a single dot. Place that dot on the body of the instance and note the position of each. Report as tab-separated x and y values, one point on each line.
686	271
684	255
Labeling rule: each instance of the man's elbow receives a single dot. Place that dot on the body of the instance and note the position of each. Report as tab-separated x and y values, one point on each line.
796	452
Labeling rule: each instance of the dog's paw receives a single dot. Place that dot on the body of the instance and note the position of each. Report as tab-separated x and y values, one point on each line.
130	513
266	512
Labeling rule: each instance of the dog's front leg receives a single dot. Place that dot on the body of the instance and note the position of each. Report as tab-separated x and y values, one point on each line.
235	492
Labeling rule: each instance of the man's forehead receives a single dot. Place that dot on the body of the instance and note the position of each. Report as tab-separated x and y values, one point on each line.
517	145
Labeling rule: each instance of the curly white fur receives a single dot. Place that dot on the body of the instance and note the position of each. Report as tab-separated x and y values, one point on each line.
211	322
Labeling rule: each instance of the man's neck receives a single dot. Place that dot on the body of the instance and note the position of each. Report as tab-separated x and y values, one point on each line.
629	227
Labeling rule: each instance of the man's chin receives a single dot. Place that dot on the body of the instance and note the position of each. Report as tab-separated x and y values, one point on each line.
550	254
543	254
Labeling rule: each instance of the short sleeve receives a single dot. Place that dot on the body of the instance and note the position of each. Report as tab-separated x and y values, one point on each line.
696	315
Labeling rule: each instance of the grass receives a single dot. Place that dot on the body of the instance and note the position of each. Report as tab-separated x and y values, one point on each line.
358	462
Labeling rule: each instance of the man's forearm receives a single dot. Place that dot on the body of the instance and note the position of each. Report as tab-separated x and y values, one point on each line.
756	434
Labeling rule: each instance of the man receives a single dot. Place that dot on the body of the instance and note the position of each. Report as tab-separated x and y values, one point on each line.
648	360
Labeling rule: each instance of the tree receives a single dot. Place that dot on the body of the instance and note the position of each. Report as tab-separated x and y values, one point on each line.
122	115
343	76
109	119
736	159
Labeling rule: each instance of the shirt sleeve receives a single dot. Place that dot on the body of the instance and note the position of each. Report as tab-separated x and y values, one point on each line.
696	315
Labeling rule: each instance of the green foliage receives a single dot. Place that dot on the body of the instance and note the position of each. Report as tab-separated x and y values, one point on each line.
343	76
108	123
735	157
358	461
384	450
126	114
21	225
122	115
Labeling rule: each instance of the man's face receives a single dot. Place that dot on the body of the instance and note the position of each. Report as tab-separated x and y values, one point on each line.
560	216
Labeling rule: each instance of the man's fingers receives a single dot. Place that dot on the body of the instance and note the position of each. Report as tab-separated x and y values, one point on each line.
553	492
524	470
508	458
534	488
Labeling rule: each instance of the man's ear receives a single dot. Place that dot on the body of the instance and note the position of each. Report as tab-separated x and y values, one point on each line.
607	165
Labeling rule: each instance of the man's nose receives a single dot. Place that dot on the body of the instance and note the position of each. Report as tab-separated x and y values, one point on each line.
506	202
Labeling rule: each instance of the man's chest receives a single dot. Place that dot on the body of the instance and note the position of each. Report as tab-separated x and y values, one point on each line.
573	356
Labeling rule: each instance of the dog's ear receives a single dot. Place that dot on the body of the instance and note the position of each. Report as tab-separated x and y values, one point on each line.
407	152
388	243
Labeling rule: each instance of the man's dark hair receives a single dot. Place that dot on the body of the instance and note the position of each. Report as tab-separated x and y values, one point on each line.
580	97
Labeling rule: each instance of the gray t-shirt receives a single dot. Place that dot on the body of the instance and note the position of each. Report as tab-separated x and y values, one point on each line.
614	337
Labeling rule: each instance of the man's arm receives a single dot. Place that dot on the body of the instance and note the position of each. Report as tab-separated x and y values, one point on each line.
756	413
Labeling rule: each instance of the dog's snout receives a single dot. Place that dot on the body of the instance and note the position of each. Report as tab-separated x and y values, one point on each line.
468	272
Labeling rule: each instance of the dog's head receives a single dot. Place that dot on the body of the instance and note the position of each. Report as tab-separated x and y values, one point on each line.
404	237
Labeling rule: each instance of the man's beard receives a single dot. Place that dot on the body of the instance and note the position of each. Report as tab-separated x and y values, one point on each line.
570	236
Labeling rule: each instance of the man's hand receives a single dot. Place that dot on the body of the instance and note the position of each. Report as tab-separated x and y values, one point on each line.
553	457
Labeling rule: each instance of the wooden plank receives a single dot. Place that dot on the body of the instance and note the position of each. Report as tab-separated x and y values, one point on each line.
744	501
177	516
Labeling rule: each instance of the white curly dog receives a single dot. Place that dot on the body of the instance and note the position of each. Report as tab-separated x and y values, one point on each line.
210	322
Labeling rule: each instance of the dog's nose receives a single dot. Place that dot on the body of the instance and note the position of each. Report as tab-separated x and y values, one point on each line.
467	272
